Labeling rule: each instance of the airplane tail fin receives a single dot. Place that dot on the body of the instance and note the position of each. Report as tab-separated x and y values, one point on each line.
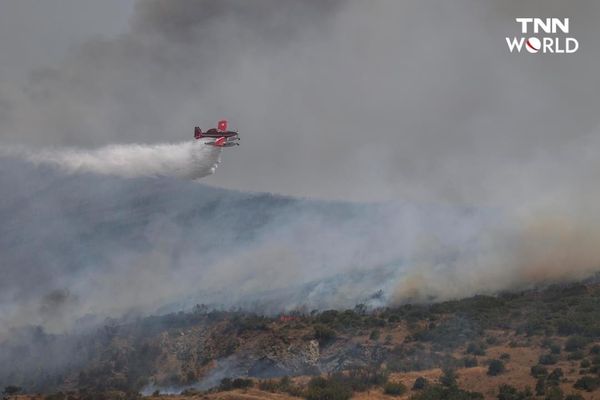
197	133
222	126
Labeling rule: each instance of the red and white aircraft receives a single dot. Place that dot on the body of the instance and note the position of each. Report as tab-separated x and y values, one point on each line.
222	136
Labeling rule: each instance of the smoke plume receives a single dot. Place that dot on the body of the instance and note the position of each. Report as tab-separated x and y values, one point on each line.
425	161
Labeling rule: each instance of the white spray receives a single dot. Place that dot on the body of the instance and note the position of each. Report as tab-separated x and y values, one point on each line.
189	160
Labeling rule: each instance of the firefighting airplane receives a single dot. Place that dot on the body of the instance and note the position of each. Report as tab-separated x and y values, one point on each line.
223	137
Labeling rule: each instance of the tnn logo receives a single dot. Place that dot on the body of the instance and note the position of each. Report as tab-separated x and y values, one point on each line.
543	44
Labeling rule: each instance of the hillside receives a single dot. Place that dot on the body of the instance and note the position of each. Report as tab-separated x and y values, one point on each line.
556	329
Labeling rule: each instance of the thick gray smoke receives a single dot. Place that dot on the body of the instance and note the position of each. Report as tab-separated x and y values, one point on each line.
188	160
483	162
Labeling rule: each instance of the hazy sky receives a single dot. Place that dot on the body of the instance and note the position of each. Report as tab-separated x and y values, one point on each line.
35	33
340	99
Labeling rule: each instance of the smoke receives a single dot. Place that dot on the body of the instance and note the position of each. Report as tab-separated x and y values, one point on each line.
189	160
463	168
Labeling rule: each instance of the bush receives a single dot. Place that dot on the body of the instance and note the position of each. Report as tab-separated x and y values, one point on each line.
448	377
548	359
361	379
538	371
375	335
540	387
420	383
12	390
554	393
574	397
324	335
574	343
505	356
595	349
394	389
507	392
496	367
320	388
554	377
492	340
576	355
477	349
585	364
284	385
470	362
237	383
268	385
555	349
225	384
587	383
55	396
242	383
438	392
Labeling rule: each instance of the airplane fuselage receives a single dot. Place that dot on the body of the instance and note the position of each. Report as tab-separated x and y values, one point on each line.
222	137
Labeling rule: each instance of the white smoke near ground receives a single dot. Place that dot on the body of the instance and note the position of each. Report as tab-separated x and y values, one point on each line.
406	102
188	160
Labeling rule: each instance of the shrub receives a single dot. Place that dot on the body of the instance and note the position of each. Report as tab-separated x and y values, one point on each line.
554	393
375	335
588	383
574	343
438	392
492	340
507	392
540	387
394	389
420	383
225	384
585	364
595	349
505	356
476	349
324	335
268	385
242	383
496	367
554	349
284	385
320	388
548	359
237	383
574	396
538	371
470	362
554	377
576	355
361	379
448	377
12	390
55	396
